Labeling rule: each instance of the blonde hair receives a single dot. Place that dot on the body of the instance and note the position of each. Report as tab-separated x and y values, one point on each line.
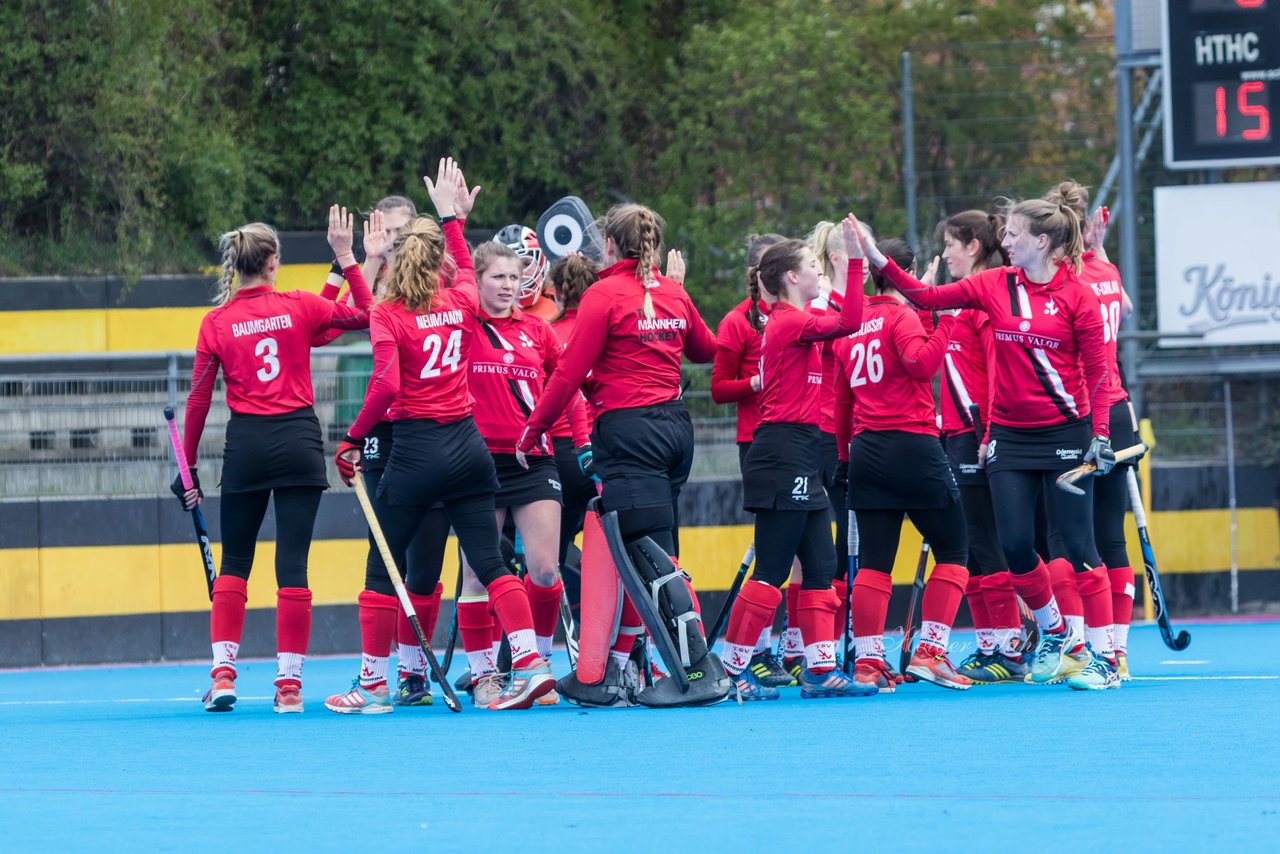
246	252
823	240
637	233
489	251
418	266
1058	221
1072	195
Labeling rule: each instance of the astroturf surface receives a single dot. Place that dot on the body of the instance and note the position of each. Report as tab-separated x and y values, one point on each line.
1183	758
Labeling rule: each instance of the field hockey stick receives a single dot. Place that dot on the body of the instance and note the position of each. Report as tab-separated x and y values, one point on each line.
854	557
362	494
722	618
908	627
1067	480
1183	639
453	626
569	627
197	518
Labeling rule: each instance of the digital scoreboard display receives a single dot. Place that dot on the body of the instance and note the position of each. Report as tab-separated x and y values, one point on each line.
1221	83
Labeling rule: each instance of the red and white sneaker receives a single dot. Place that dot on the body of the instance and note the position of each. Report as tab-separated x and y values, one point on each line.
527	684
361	700
877	672
288	700
928	666
221	696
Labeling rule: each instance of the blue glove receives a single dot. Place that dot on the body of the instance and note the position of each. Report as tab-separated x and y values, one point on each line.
586	461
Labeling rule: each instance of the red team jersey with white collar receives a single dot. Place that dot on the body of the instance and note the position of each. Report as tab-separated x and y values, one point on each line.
791	357
737	361
1104	279
884	372
261	339
420	361
632	361
1051	361
968	373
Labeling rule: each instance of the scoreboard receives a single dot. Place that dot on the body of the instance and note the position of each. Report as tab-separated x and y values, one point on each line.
1221	83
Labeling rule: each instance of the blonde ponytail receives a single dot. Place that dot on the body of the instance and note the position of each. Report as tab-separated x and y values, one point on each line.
637	232
416	267
245	252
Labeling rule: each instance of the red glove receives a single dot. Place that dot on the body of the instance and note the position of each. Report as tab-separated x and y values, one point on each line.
348	458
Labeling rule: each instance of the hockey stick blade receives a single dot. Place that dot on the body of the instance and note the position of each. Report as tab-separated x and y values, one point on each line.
1067	480
197	517
1182	639
908	626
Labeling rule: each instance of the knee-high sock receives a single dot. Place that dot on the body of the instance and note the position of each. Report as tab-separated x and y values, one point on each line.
1001	603
226	622
1123	587
511	605
427	610
840	619
1066	590
1036	589
939	605
377	629
475	626
793	639
978	609
544	602
754	610
871	591
293	633
1095	590
817	621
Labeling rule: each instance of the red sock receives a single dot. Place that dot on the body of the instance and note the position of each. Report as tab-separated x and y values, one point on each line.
977	604
1036	589
840	619
1000	602
942	594
1063	577
1095	590
377	625
630	627
1123	583
226	617
757	602
871	591
544	602
817	618
475	624
511	606
293	631
426	609
495	636
793	608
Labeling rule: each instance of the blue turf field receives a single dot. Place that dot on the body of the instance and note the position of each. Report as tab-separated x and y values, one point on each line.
1183	759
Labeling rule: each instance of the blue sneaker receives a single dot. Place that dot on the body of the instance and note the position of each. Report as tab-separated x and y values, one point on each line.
834	683
747	687
1097	675
361	701
413	690
1051	653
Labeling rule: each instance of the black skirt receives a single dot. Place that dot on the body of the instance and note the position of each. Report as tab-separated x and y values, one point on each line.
433	462
899	470
273	451
962	453
830	459
1053	449
783	469
518	486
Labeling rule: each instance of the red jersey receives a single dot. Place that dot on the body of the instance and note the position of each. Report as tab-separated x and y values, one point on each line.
737	362
791	358
420	360
1051	361
632	361
830	304
563	329
884	372
1104	279
511	359
262	341
968	373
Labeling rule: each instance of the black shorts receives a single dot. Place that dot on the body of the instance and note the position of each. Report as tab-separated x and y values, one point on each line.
899	470
577	488
273	451
1054	449
1124	433
830	458
643	454
743	447
377	447
518	486
962	453
783	469
433	462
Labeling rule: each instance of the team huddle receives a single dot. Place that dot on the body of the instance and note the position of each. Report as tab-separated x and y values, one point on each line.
506	390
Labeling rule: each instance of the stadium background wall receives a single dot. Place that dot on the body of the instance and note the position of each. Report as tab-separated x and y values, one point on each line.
91	581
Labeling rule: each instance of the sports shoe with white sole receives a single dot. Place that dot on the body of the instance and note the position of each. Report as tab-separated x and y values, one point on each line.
221	696
361	701
526	685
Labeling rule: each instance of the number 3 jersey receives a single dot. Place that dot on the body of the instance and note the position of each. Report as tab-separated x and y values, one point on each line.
262	341
884	371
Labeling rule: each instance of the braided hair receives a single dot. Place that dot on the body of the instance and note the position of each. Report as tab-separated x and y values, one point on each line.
245	251
778	260
636	231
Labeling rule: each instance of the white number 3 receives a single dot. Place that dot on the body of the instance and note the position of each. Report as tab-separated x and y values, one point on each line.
268	350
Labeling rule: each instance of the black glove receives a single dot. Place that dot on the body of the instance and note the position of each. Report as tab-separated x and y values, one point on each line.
586	460
1100	454
840	480
179	490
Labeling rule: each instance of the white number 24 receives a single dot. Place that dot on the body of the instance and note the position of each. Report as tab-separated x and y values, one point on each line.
451	357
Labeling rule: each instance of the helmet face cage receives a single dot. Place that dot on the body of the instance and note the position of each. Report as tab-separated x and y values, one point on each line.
524	241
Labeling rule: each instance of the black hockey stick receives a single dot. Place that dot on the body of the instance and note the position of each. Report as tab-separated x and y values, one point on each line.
197	518
722	618
453	626
854	557
362	494
908	627
1183	639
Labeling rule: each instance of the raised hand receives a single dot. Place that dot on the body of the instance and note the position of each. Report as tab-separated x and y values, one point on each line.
675	266
858	242
376	239
341	234
463	199
930	276
444	188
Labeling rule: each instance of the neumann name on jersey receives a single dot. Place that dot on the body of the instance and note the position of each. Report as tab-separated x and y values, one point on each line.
452	317
261	324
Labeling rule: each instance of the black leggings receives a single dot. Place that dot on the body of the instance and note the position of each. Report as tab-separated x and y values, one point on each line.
242	515
577	490
985	554
1110	499
782	535
942	528
1015	495
424	557
472	520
